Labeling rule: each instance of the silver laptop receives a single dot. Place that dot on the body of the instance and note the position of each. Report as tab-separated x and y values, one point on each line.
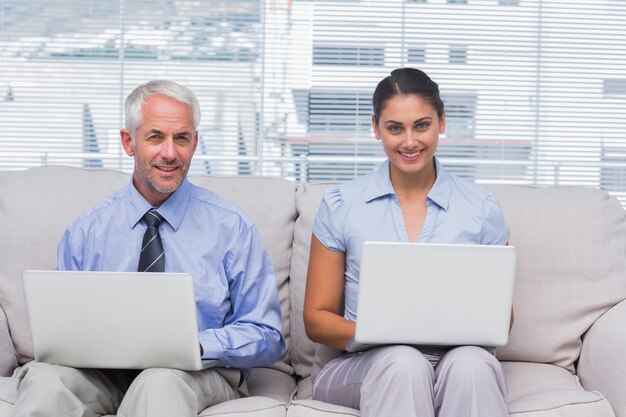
121	320
434	294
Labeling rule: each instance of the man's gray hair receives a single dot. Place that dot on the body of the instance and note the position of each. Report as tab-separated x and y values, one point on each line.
135	100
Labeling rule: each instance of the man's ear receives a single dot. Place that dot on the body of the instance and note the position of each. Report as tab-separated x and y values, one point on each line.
127	142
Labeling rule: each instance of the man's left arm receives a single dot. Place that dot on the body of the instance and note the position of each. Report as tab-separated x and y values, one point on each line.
252	333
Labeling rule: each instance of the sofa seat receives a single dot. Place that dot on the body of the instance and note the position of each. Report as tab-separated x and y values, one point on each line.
544	390
271	392
312	408
257	406
8	393
535	390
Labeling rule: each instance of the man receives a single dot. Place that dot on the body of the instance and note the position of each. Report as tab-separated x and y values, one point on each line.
200	233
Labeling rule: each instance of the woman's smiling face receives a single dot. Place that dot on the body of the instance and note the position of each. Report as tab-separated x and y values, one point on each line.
409	129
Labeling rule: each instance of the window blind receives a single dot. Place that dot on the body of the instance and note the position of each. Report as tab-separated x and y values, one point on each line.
535	90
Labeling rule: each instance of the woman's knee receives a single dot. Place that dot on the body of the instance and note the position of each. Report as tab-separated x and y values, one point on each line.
400	362
470	362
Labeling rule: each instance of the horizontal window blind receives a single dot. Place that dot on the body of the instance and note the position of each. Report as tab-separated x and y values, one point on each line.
67	67
535	90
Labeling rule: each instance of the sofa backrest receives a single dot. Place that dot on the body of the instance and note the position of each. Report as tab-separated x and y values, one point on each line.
308	199
37	205
571	251
571	245
571	248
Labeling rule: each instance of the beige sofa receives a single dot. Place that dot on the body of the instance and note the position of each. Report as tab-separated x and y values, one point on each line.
567	352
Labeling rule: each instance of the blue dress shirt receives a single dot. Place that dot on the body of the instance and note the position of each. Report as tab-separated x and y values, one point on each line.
367	209
239	317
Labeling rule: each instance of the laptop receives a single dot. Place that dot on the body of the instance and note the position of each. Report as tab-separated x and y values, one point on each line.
434	294
117	320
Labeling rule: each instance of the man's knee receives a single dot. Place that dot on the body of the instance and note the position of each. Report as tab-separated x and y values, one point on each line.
160	377
53	390
45	374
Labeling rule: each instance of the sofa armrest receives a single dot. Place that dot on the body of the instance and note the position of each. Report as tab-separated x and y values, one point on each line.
8	357
602	364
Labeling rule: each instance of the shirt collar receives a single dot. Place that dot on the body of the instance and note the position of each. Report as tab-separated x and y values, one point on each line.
172	209
440	193
381	186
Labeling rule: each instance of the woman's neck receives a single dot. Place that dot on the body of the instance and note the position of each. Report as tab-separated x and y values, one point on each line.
415	184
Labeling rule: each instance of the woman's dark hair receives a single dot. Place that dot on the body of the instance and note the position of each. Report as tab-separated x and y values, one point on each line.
406	81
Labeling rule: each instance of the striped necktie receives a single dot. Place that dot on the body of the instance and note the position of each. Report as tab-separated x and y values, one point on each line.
152	258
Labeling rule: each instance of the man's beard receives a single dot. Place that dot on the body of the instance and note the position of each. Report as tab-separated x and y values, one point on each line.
149	179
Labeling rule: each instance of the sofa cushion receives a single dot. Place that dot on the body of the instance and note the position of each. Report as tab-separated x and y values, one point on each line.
38	204
571	267
308	198
8	394
270	390
602	363
312	408
543	390
8	358
246	407
36	207
597	409
535	390
270	383
270	393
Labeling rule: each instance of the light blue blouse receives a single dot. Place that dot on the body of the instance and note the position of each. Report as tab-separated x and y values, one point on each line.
367	209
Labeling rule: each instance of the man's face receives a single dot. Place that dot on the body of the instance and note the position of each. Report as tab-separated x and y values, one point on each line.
163	146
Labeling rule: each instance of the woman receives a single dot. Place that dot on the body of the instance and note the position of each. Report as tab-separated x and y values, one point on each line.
409	198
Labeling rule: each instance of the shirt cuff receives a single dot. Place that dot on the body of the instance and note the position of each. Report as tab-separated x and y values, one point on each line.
212	348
